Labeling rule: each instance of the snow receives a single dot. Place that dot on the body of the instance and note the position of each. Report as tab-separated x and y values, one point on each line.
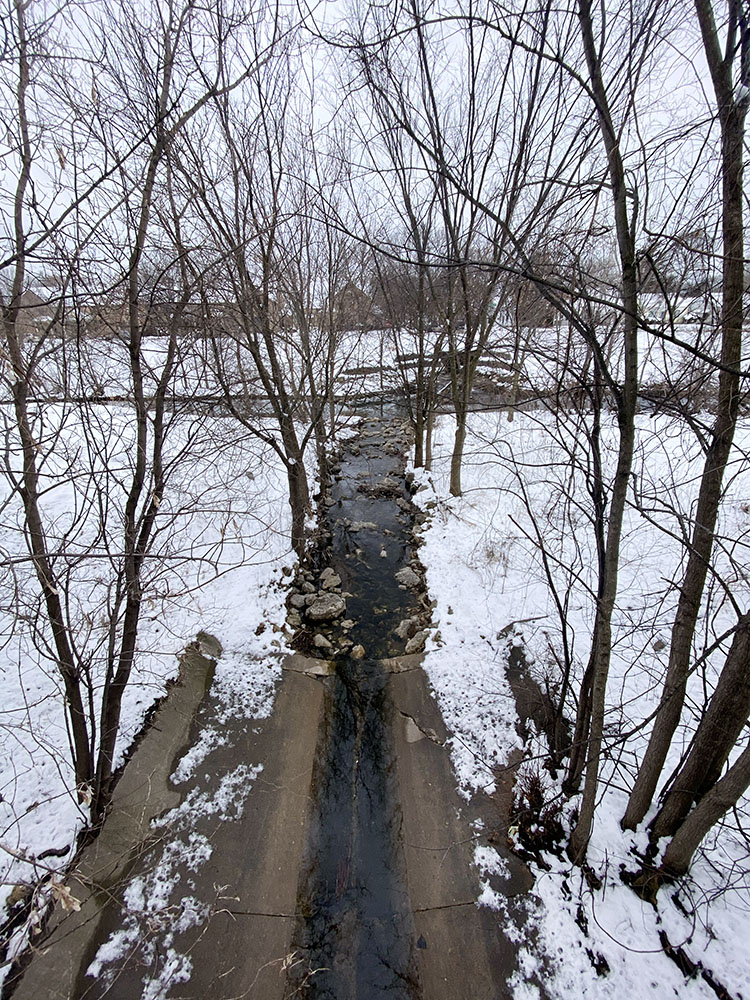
484	571
157	907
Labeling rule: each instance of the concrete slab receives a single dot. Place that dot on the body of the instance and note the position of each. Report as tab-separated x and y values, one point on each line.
462	953
142	793
244	948
250	880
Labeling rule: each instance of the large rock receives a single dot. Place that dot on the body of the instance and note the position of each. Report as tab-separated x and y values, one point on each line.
326	608
408	577
417	642
407	628
363	526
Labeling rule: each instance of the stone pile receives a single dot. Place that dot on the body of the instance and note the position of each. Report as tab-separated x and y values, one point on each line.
316	611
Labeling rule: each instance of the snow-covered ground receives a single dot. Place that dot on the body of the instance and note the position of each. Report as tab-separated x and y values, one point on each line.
484	569
216	567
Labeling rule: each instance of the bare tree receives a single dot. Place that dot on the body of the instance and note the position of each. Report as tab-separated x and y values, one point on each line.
102	234
730	76
248	195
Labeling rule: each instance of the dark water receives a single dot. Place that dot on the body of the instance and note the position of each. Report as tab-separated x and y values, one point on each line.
355	936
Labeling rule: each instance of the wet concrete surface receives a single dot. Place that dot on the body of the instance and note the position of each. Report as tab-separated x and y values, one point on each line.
355	936
348	870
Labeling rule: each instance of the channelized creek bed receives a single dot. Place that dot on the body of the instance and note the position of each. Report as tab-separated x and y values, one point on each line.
355	935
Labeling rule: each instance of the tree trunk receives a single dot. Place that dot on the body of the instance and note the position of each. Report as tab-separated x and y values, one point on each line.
578	751
603	627
457	456
419	431
36	537
717	736
725	794
583	716
626	401
429	427
732	120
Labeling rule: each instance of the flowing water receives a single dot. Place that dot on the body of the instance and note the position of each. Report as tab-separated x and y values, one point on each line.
355	936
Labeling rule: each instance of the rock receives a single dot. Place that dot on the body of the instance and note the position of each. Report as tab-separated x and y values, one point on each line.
329	502
348	623
311	598
390	483
294	619
307	588
326	608
416	643
328	571
383	553
332	582
408	577
358	652
297	600
363	526
407	628
320	642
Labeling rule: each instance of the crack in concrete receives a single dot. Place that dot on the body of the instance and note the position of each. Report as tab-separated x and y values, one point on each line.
445	906
415	732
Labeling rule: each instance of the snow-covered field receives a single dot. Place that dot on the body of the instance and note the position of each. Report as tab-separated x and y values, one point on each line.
485	571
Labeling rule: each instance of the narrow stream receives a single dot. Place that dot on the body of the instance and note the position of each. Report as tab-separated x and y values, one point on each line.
355	936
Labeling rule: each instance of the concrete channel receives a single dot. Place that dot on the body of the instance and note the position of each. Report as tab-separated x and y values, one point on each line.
349	873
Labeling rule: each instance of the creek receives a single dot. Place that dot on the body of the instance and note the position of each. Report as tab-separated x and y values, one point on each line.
355	934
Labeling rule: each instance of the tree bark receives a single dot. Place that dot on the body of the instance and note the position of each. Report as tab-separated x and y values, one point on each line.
457	455
724	794
717	736
29	491
626	401
429	426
